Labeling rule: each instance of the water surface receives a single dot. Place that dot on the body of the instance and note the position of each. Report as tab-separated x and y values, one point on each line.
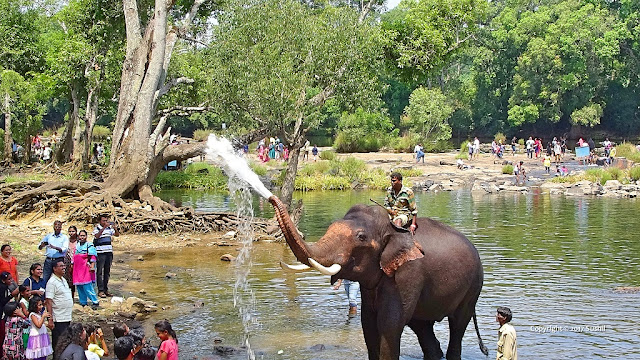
553	260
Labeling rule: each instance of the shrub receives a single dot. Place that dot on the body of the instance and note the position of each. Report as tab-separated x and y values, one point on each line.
521	142
616	173
377	180
197	168
100	132
464	150
362	131
351	167
438	146
409	172
259	169
202	134
195	176
405	143
628	151
500	137
507	169
634	173
328	155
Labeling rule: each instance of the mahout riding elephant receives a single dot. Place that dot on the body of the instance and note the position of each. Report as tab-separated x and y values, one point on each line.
412	280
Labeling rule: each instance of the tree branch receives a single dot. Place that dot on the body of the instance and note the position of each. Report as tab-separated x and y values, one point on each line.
183	151
132	24
172	83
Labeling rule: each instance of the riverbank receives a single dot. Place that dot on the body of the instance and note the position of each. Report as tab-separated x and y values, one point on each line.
130	303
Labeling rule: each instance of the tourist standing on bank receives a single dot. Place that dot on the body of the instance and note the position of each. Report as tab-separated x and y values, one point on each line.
59	302
8	262
56	245
68	258
84	269
529	145
35	282
476	147
103	234
507	347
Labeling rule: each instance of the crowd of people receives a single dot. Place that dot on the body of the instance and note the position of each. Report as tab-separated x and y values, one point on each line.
44	300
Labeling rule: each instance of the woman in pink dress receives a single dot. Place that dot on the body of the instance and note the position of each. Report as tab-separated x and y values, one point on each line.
84	267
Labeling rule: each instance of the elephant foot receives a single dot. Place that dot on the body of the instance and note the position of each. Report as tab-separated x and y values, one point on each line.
434	355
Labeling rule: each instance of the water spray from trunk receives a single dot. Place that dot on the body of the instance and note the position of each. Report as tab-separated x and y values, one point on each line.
234	164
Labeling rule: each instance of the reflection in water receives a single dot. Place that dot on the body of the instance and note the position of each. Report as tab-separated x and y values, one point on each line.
553	260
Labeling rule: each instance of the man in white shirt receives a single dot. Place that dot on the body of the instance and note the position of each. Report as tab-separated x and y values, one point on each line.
58	302
476	147
507	347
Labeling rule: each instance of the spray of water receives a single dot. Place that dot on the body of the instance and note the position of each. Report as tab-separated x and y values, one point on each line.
234	164
240	178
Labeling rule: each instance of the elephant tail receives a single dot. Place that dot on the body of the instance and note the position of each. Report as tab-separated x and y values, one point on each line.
483	348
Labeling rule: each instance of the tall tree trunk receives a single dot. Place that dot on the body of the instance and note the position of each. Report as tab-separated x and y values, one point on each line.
90	117
8	140
138	150
64	152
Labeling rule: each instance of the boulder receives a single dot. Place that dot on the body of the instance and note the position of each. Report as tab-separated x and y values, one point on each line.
138	306
227	257
435	187
612	185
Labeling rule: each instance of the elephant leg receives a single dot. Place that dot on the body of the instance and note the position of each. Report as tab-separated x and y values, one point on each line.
458	322
427	338
370	324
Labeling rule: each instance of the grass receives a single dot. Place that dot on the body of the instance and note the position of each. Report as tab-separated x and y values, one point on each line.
202	134
100	132
601	175
340	174
25	177
507	169
199	175
464	150
629	151
328	155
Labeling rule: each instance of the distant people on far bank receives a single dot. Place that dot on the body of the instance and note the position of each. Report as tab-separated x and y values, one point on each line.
419	151
507	340
315	152
476	147
520	173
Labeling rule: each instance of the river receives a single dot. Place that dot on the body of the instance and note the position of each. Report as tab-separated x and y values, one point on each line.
555	261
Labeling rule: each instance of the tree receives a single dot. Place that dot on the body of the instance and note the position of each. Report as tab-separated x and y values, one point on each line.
139	143
84	53
276	64
427	115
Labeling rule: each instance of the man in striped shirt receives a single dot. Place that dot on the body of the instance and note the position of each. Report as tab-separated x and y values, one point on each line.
102	236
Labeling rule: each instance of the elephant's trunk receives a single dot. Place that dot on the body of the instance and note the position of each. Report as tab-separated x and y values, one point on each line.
290	232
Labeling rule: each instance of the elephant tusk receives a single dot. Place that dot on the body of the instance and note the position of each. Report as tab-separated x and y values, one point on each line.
300	267
331	270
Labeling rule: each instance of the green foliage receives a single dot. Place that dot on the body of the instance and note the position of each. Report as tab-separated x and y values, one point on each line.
351	168
405	143
464	150
362	131
500	137
410	172
195	176
101	132
259	169
507	169
634	173
328	155
589	115
628	151
616	173
202	134
427	115
521	142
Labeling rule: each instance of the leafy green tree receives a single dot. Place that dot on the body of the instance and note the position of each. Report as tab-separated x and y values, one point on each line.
276	64
20	48
427	115
363	131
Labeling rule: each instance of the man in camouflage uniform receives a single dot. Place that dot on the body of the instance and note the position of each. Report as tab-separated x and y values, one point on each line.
401	203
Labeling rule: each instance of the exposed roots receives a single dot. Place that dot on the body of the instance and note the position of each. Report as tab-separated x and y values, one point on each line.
85	201
38	198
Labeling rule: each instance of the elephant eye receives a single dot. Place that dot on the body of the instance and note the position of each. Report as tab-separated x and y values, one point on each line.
361	236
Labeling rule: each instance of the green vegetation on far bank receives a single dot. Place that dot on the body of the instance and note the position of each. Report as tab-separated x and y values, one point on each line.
601	175
335	174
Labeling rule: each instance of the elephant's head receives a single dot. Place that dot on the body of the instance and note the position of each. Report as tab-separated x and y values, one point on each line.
362	246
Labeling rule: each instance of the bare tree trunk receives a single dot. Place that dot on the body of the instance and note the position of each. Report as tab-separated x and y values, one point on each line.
8	140
138	150
90	118
64	152
288	186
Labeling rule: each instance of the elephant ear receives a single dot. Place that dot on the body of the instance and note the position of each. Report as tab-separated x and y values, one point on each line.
400	248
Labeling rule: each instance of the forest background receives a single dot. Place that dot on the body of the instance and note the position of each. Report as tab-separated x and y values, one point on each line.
353	72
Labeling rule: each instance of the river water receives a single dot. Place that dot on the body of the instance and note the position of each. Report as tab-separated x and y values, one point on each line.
555	261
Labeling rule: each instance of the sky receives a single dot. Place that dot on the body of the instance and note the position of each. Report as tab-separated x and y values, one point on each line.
392	3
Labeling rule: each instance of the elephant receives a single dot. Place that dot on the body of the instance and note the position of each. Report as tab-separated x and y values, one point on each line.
405	280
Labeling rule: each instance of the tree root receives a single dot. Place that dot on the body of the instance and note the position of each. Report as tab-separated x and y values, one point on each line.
86	201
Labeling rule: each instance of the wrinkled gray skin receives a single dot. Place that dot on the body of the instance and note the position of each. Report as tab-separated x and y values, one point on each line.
438	274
